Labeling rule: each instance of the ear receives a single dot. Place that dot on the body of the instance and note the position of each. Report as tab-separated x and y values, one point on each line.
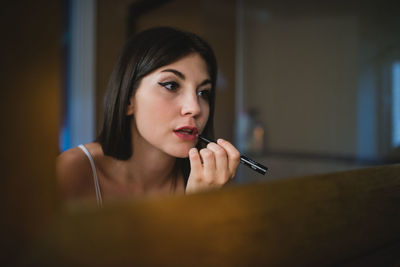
131	107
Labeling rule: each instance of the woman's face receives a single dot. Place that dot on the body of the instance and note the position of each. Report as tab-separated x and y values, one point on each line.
171	106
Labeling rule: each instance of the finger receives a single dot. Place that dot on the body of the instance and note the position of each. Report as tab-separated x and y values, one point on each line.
221	161
195	161
208	165
233	155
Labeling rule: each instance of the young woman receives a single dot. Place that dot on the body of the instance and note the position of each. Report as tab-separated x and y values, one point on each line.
160	97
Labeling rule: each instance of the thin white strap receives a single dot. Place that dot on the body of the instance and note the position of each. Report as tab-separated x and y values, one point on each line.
95	178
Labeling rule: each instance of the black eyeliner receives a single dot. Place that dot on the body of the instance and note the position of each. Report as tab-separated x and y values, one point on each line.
254	165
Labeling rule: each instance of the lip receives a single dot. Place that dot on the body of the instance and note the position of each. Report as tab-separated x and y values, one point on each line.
186	137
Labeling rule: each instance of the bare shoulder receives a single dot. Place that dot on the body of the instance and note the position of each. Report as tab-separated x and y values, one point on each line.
74	174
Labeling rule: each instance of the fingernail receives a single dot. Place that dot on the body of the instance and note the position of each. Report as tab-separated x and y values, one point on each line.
192	151
220	140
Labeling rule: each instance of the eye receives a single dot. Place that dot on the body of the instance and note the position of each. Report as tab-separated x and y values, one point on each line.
204	94
171	86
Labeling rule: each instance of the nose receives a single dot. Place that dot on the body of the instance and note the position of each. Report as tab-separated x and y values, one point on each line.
190	105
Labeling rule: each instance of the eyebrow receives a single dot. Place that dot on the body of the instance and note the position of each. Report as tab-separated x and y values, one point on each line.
182	76
177	73
205	82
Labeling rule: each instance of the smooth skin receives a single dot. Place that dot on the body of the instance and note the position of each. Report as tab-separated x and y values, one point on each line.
170	97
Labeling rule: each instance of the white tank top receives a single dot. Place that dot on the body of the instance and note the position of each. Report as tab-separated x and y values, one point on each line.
95	178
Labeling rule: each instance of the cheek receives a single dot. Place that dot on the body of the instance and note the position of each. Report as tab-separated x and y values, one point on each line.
206	114
202	121
151	113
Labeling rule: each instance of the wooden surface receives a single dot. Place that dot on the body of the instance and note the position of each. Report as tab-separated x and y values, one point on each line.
32	76
341	219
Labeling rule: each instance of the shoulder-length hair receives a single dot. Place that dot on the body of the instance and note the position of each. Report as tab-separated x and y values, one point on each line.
142	54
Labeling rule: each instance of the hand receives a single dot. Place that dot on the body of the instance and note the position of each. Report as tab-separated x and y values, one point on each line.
213	167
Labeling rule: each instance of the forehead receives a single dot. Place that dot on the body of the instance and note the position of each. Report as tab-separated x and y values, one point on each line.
190	64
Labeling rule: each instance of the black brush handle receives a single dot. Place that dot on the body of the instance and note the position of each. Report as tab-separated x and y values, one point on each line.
254	165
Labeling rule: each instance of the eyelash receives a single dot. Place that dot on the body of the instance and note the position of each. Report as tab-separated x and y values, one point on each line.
173	86
205	94
166	85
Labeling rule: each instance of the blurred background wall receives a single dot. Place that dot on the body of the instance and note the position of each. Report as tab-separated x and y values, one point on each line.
320	77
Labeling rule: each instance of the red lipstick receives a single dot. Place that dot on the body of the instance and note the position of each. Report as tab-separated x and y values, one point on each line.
186	133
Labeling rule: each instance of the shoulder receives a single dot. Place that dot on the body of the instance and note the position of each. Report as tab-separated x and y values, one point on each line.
73	160
74	173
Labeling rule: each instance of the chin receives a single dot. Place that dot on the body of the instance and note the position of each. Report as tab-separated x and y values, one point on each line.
181	153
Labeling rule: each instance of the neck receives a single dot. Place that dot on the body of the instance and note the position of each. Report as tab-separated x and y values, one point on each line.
151	168
148	168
